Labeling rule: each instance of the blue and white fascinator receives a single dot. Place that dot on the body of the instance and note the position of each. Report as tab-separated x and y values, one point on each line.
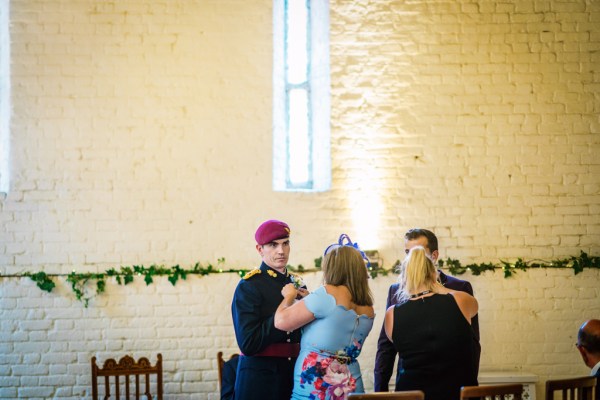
340	243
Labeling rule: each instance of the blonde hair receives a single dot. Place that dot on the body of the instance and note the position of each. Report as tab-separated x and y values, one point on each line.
416	270
344	266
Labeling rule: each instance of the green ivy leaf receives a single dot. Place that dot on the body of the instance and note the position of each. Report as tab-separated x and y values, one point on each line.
47	285
455	267
318	262
42	281
128	278
100	286
520	264
148	279
577	267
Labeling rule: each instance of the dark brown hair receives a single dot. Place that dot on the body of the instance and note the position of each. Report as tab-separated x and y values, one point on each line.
415	233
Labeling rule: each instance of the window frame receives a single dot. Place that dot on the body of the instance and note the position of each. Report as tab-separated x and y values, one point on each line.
4	96
316	87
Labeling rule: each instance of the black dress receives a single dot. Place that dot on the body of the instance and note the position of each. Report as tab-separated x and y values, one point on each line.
435	342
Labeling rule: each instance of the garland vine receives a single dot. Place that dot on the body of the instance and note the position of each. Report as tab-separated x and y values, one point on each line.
577	264
82	283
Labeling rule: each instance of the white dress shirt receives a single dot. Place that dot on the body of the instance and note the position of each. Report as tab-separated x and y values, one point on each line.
595	369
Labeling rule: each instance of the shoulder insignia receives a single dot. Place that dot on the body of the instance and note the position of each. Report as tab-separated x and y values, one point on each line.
272	273
250	274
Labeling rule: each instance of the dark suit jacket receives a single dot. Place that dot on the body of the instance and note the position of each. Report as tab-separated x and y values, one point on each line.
386	353
597	384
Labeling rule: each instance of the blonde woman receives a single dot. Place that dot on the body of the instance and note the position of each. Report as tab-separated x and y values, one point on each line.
336	319
431	330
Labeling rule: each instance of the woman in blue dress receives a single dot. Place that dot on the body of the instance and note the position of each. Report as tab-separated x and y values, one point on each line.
336	319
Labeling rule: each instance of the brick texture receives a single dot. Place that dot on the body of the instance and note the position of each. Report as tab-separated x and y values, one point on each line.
528	324
141	133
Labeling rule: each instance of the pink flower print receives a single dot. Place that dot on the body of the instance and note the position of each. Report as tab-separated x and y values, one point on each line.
329	375
310	360
326	361
340	381
320	389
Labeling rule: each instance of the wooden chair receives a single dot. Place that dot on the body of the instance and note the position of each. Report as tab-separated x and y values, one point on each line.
127	367
502	391
572	389
406	395
220	364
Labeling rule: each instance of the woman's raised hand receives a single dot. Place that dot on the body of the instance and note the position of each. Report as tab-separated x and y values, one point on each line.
289	291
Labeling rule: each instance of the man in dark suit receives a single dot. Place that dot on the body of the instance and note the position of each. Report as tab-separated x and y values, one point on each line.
588	344
386	353
266	365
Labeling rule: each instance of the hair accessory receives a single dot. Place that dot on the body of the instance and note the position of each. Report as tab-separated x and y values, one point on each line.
341	243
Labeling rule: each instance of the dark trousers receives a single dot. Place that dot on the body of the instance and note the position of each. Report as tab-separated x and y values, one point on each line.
264	378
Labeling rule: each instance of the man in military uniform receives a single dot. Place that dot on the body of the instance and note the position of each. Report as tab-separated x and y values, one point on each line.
266	366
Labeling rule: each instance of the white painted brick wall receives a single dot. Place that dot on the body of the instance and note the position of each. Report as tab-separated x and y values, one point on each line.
528	324
141	133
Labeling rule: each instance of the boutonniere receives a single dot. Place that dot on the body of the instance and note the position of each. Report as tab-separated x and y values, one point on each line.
297	281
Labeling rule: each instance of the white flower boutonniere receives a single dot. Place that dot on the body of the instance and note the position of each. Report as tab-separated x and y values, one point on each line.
297	281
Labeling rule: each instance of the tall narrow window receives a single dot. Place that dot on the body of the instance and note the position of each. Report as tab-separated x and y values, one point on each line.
4	95
301	159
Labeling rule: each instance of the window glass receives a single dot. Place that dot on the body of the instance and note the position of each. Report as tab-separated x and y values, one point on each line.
296	44
299	140
301	156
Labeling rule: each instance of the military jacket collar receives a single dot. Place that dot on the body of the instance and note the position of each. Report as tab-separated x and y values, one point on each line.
278	276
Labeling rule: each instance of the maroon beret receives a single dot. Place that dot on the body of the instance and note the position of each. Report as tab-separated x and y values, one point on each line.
271	230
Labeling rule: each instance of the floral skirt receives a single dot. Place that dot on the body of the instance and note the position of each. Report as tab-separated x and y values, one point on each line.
326	377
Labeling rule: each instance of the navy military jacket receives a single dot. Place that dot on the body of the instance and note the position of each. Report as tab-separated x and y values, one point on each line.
255	301
386	353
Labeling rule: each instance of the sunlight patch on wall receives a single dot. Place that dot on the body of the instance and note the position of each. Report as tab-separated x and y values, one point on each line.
365	201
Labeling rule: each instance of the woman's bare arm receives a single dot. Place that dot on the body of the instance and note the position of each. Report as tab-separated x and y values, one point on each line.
291	315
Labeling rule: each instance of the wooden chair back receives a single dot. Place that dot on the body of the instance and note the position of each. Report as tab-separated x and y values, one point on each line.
504	391
131	372
220	364
406	395
583	388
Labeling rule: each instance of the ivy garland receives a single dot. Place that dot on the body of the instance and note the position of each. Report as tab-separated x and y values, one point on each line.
577	264
80	282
